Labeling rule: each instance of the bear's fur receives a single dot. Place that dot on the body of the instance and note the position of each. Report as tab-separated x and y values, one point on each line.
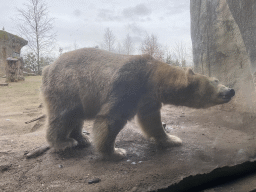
112	89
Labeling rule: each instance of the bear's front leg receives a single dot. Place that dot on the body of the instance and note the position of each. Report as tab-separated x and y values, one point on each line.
105	131
149	119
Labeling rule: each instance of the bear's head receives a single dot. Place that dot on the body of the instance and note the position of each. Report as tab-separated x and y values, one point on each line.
204	92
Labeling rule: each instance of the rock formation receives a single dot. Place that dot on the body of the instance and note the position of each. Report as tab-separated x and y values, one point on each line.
10	46
244	13
223	37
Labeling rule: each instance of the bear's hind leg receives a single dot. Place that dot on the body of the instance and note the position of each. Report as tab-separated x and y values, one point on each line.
83	141
65	127
105	131
59	130
151	125
58	136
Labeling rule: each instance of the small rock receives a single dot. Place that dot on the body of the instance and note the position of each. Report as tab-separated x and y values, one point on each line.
164	124
7	119
5	167
60	166
133	163
96	180
128	160
140	162
134	189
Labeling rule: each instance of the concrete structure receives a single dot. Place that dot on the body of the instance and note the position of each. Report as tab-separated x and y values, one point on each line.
10	46
14	69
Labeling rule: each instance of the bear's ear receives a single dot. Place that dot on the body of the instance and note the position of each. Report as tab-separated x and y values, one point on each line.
189	71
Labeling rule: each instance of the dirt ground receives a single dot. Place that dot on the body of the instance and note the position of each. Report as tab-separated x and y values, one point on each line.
212	138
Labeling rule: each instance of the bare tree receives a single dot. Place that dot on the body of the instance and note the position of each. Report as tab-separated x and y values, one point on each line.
109	40
168	57
119	48
180	51
36	26
151	47
76	46
128	45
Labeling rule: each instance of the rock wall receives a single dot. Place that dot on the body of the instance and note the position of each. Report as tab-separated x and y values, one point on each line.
221	36
244	14
10	46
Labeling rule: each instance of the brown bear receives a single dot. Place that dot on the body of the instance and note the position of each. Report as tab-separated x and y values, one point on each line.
112	88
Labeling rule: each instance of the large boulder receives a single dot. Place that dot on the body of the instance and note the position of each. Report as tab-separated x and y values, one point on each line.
222	33
244	13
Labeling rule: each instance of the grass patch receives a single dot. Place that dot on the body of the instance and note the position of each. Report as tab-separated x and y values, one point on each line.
21	95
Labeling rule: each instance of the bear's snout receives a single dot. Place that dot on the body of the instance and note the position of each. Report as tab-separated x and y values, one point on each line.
227	94
232	92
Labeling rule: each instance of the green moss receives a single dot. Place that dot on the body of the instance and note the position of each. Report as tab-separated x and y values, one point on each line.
7	36
17	37
3	35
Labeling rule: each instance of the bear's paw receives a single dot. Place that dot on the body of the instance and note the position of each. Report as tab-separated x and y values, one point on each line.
83	141
170	141
117	155
68	143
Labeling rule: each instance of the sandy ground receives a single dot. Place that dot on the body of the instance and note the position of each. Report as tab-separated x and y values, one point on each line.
212	138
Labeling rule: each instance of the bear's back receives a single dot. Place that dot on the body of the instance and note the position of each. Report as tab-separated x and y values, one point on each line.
88	64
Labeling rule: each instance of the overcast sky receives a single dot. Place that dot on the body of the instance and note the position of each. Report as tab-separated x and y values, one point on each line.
84	21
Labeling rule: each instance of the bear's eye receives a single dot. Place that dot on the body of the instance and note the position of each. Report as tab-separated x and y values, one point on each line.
214	82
